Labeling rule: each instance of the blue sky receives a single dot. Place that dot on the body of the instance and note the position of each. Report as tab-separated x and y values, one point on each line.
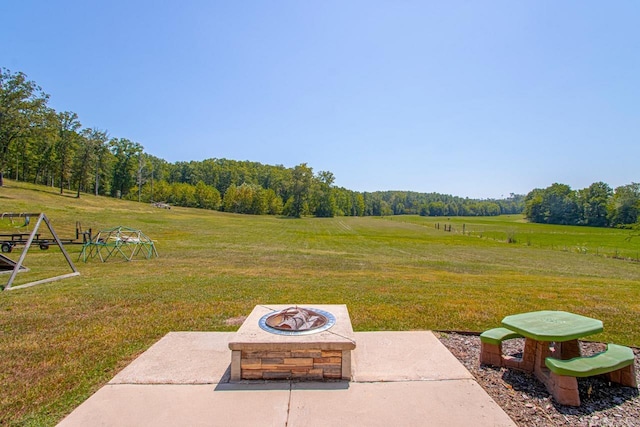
472	98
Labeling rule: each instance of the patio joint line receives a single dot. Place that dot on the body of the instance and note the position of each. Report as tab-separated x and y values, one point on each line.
423	380
159	383
286	421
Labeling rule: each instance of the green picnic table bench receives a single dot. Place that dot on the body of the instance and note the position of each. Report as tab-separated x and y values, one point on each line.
614	358
617	363
491	345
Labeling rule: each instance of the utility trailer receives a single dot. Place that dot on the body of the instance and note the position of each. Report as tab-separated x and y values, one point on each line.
10	240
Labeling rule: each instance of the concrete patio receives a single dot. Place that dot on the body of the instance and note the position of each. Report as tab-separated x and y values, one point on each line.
399	378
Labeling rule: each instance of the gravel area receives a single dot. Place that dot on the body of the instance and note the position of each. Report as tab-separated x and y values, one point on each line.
527	401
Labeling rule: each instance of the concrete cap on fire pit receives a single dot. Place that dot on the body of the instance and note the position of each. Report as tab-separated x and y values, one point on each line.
338	336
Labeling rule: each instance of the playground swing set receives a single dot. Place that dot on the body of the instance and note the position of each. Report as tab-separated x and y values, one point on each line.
9	240
124	241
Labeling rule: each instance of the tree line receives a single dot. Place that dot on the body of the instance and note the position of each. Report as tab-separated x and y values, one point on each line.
43	146
597	205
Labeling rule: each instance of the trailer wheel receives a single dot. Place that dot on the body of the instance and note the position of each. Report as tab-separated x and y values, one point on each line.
6	248
44	246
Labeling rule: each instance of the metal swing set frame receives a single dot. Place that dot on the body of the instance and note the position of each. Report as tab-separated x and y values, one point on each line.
33	236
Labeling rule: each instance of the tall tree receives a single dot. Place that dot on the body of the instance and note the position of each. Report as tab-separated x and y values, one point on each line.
230	201
103	160
124	169
43	153
21	100
624	207
183	194
91	144
207	196
273	202
358	205
556	204
66	143
323	195
245	199
533	207
561	206
301	179
159	171
143	172
593	202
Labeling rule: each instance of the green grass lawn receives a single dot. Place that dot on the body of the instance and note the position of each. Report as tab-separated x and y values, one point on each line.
63	340
584	240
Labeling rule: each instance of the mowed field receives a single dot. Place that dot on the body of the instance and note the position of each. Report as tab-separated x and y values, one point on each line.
61	341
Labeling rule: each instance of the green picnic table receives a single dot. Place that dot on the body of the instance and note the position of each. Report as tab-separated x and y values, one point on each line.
552	326
552	352
549	334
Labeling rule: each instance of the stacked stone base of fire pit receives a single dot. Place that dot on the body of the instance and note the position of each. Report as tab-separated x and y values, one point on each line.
295	364
260	355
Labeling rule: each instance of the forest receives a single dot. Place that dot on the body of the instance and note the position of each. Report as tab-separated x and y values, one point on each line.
597	205
44	146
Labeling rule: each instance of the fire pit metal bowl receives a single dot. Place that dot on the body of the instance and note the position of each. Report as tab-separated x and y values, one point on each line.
297	321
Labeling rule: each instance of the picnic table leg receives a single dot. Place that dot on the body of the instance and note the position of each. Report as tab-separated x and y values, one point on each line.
564	389
491	354
568	350
625	376
527	362
529	354
540	370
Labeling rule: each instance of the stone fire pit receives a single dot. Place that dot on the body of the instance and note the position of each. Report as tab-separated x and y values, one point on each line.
284	342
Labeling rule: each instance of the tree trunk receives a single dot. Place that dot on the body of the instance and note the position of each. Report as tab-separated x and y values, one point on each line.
97	181
1	179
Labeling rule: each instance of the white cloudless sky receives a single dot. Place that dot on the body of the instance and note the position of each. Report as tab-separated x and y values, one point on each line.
476	99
